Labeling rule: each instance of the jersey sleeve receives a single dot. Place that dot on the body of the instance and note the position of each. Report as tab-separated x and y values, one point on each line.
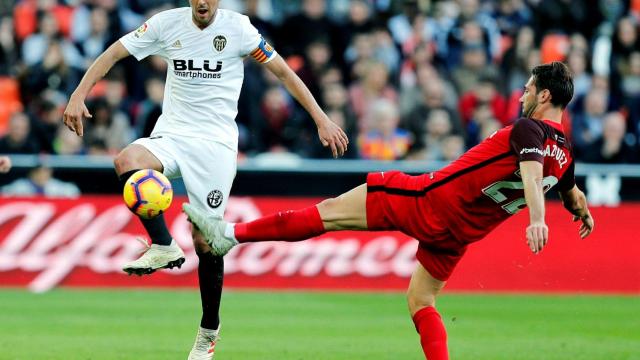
145	40
254	44
568	180
527	141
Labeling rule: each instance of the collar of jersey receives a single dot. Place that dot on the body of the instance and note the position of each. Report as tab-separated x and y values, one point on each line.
554	124
210	26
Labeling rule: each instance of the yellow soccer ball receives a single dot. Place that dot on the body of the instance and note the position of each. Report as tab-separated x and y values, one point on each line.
147	193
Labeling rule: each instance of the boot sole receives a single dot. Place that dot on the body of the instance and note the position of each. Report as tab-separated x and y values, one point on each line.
147	271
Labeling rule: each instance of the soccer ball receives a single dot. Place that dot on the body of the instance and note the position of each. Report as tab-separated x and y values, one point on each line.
147	193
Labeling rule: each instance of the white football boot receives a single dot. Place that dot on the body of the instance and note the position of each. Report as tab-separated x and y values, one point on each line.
205	344
212	228
156	257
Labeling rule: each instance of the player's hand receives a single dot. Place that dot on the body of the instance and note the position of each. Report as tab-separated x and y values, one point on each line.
587	225
537	236
73	114
5	164
331	135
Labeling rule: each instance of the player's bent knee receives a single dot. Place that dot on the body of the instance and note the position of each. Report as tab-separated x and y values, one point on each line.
124	162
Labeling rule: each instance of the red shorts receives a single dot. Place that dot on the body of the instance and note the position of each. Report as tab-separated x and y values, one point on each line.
397	201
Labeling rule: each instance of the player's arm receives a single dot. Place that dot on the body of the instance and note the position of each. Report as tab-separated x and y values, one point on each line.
330	134
575	202
537	231
76	108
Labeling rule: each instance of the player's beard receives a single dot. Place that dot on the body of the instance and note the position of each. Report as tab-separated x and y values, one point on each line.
528	111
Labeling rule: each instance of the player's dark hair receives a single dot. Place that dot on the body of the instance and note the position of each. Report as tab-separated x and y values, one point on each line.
556	78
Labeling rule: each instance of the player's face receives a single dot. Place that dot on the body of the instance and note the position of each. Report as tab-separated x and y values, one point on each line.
529	99
203	11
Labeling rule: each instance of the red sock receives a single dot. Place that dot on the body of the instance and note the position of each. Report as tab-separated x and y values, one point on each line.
285	225
433	335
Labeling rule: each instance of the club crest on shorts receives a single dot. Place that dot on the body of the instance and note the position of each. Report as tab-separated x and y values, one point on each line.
219	43
214	199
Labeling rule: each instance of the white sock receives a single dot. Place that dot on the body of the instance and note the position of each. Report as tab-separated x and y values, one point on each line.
230	231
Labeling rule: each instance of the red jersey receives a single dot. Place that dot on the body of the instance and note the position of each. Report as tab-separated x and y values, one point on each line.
482	188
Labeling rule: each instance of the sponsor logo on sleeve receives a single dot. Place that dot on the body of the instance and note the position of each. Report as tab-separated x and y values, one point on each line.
531	150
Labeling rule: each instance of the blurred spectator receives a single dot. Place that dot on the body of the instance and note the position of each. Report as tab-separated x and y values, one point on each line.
383	140
410	27
565	16
433	99
438	128
426	76
98	38
577	62
516	63
358	54
474	64
373	85
40	181
484	93
511	15
385	50
300	30
38	44
452	148
18	139
104	18
5	164
52	73
317	60
473	27
279	128
611	147
108	125
259	12
359	21
587	126
150	109
481	124
67	142
9	55
45	123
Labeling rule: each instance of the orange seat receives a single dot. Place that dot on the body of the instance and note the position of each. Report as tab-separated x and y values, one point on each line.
25	21
9	101
6	110
9	90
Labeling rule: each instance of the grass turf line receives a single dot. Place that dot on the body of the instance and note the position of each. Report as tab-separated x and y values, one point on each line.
115	324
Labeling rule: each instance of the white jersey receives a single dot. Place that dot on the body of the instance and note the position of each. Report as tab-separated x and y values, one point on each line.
205	70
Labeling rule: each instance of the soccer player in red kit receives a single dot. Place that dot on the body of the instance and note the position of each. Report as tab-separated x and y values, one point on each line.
446	210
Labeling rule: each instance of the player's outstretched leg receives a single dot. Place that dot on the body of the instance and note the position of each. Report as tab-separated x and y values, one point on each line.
164	252
346	212
421	298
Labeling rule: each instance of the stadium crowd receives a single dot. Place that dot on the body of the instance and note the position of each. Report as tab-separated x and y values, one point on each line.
407	79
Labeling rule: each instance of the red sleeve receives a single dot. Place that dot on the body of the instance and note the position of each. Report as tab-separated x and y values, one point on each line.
527	140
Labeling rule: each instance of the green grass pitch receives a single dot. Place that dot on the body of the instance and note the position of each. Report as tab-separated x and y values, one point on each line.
120	324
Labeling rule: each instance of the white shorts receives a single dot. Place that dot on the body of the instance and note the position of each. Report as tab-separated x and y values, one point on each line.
206	167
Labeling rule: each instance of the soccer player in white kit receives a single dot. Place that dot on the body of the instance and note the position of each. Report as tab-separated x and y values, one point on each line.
196	136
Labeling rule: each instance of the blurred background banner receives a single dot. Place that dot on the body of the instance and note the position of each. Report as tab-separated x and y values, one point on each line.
83	242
